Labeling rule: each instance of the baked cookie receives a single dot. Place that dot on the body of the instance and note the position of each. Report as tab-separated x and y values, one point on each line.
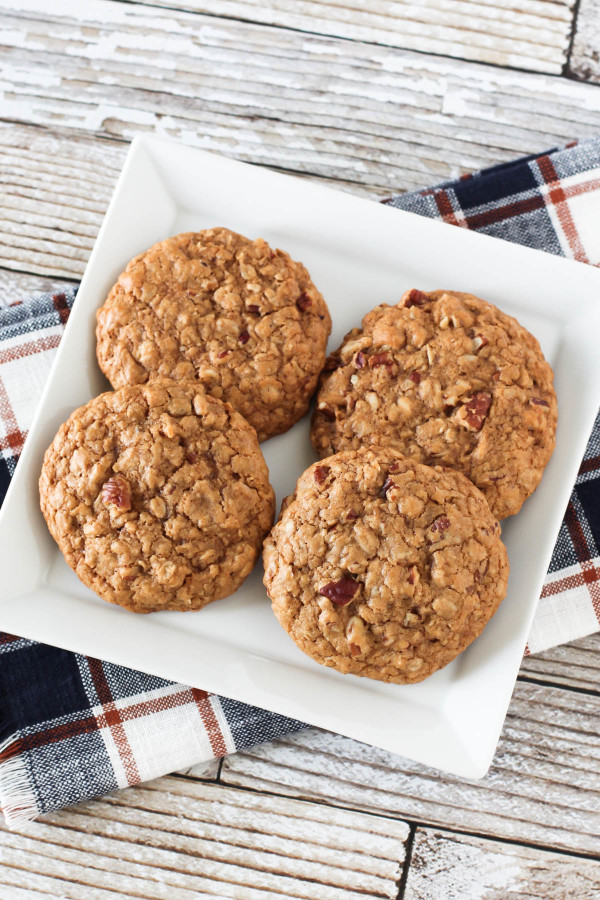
445	378
383	567
244	320
158	496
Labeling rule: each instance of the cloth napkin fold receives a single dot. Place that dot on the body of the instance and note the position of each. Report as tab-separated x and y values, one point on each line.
73	727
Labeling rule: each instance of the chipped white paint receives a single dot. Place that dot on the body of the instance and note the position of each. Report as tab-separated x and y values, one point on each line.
529	35
585	59
377	115
458	867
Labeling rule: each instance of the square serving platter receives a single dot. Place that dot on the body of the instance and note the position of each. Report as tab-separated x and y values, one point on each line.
359	254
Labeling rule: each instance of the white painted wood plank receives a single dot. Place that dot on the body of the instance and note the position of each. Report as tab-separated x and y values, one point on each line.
54	192
16	893
543	786
176	838
17	286
575	665
529	35
53	195
458	867
207	770
585	55
334	108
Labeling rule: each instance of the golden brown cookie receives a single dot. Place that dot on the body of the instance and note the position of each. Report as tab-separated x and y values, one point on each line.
244	320
383	567
444	378
158	496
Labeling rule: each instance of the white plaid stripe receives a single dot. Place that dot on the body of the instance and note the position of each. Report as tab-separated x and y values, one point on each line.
188	731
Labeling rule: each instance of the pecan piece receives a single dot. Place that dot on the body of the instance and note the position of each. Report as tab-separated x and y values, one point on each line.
359	360
415	377
440	524
413	297
387	484
321	473
340	592
380	359
244	337
303	302
253	309
537	401
476	410
117	492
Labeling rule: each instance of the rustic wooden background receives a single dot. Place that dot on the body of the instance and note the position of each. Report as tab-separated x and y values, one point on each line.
376	97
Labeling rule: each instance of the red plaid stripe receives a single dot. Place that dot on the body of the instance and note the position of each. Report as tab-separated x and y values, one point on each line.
14	438
558	196
112	718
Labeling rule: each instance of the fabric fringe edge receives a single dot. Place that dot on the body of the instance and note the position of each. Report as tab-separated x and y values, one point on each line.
17	799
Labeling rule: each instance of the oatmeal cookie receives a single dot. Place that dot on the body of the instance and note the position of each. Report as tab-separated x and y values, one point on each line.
244	320
158	496
444	378
383	567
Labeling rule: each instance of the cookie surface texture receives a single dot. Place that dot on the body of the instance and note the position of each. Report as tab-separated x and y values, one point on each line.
158	496
244	320
383	567
444	378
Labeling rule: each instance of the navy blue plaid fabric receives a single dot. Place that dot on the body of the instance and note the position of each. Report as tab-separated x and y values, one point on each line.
73	727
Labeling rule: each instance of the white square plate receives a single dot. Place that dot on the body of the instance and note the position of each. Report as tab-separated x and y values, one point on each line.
359	253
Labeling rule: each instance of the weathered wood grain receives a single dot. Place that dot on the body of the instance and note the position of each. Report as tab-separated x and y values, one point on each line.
457	867
176	838
45	226
543	786
335	108
17	286
54	193
575	665
585	55
529	35
207	771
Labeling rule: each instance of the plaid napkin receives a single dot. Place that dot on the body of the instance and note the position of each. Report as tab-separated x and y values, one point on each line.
73	727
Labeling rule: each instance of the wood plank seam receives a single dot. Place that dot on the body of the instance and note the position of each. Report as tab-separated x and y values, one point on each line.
567	66
531	679
430	823
409	846
332	34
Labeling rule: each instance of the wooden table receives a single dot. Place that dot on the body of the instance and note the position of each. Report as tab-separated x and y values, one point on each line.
376	97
